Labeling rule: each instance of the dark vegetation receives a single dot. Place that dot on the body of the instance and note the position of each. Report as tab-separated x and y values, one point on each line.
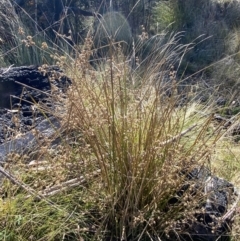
146	124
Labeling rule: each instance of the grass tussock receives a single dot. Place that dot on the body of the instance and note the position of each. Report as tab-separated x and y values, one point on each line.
126	145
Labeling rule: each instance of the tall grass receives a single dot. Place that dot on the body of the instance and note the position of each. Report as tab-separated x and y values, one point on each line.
131	145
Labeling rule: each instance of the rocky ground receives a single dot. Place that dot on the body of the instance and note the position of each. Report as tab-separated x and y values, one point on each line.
25	98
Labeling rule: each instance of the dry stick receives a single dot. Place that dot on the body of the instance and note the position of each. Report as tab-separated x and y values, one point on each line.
177	136
30	87
68	184
4	72
50	191
24	186
230	214
30	102
31	191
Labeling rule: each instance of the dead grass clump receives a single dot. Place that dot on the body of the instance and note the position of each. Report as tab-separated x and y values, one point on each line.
135	135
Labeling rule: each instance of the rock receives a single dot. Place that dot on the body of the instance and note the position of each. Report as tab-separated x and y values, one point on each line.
29	86
213	218
30	141
28	83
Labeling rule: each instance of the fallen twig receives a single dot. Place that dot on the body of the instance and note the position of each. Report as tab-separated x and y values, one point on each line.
177	136
230	213
15	181
67	185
